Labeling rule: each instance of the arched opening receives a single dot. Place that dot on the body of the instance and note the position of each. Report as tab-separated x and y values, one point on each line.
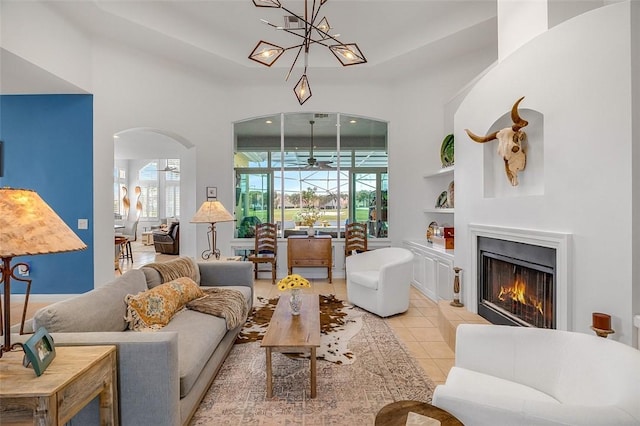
153	181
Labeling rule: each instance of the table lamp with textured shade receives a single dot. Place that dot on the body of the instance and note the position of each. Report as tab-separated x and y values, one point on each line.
212	212
29	227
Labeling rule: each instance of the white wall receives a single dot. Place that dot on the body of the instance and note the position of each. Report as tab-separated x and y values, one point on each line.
37	34
518	22
635	149
587	143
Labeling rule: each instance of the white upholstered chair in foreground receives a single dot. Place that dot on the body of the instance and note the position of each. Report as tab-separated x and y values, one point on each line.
379	280
532	376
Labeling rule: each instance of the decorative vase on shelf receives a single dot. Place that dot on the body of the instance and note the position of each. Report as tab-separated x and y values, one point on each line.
310	231
295	301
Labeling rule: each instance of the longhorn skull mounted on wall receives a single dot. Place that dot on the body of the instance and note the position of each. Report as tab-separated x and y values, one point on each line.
509	144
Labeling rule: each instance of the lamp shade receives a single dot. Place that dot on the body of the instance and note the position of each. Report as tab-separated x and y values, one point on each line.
31	227
212	212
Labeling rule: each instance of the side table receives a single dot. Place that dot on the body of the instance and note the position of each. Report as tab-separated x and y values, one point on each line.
147	238
75	377
396	413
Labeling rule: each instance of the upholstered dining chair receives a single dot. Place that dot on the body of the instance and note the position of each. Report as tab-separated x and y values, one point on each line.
266	248
355	238
379	280
130	232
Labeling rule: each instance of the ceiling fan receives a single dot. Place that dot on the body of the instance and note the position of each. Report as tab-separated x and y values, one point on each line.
169	169
312	162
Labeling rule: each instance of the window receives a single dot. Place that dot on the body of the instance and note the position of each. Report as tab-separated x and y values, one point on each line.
148	180
172	188
119	180
333	163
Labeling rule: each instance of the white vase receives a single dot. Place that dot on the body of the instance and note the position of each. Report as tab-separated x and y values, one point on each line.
310	231
295	301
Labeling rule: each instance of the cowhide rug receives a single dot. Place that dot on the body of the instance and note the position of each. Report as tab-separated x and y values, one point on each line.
339	322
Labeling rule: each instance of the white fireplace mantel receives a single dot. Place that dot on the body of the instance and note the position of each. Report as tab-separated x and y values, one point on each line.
559	241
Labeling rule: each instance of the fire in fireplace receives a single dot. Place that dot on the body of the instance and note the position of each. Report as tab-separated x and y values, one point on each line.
516	283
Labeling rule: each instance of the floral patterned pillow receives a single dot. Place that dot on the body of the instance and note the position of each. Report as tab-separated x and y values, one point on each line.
153	309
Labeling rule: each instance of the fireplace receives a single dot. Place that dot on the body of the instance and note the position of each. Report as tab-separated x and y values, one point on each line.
516	283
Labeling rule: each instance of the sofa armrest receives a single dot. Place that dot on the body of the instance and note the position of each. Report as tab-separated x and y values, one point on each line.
148	374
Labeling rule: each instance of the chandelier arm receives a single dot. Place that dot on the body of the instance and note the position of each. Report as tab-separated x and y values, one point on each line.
294	63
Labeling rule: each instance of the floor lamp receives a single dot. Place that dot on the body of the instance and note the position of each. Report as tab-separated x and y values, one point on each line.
29	227
212	212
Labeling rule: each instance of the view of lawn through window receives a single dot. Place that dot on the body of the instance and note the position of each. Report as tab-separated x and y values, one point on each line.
308	168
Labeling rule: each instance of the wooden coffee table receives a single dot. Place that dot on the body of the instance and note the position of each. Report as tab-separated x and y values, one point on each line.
396	414
288	332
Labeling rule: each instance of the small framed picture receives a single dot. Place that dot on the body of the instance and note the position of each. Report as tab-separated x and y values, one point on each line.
212	192
39	351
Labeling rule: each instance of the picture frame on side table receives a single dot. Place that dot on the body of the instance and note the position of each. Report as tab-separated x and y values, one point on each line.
39	351
212	192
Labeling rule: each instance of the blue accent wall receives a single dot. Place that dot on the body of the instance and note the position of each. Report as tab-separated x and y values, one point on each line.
48	147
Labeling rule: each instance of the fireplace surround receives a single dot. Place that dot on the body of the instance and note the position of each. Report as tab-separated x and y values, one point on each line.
558	267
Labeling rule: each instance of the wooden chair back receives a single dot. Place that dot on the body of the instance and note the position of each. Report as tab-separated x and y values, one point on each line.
266	248
266	240
355	237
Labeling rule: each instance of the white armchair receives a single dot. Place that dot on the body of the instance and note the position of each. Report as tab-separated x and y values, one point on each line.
532	376
379	280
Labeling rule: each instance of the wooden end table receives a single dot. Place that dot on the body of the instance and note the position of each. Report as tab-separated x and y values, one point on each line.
299	332
75	377
395	414
147	238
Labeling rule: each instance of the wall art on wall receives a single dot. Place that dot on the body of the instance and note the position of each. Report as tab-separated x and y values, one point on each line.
212	192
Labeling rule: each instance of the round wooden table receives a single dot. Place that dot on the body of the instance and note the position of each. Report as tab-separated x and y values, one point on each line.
395	414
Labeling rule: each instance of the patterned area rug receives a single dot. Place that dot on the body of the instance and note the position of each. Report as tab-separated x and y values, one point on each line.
339	322
384	372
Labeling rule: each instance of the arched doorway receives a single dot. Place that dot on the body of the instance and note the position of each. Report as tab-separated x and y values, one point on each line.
158	169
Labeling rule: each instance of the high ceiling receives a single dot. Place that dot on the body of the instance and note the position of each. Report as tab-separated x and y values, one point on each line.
215	37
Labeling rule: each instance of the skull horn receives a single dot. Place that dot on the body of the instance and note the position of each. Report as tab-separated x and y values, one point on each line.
518	122
482	139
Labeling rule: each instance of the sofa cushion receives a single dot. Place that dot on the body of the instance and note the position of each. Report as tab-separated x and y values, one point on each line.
367	279
198	336
154	308
101	309
154	278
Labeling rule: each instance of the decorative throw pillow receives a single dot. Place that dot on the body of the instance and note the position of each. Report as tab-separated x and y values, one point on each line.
153	309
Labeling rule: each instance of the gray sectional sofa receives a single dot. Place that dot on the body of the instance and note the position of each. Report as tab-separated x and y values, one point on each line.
162	375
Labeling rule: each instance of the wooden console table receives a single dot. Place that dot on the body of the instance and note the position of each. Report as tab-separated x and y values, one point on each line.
75	377
307	252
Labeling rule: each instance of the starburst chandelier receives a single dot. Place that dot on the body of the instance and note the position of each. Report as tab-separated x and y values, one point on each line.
311	31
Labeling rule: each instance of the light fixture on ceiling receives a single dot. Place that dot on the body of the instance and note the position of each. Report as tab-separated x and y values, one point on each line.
169	169
312	162
310	32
